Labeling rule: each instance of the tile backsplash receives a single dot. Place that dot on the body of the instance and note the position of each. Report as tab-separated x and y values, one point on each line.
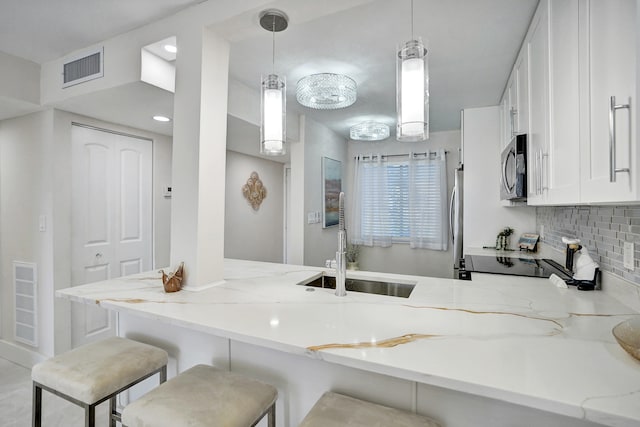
601	229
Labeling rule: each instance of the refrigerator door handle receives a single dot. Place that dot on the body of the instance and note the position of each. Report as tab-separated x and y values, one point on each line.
453	195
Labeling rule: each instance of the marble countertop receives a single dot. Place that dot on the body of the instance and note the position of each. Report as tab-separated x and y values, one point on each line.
519	340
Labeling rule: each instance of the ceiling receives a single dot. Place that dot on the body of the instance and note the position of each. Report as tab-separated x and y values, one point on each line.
44	30
472	46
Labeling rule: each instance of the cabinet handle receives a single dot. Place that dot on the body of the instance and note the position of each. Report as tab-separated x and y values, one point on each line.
453	195
543	157
540	172
512	114
612	137
537	172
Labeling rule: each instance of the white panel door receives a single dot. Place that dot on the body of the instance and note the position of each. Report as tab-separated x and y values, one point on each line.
111	231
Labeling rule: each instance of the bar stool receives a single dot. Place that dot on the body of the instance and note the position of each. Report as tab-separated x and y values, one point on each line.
93	373
204	396
337	410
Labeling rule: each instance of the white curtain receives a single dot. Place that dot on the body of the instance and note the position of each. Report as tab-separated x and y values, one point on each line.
371	224
428	201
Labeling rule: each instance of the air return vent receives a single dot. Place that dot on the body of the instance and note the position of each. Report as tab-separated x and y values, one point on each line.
83	67
26	303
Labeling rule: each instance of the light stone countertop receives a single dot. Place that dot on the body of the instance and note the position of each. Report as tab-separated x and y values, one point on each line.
519	340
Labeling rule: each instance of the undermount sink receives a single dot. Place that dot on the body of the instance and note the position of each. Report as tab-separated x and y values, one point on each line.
402	290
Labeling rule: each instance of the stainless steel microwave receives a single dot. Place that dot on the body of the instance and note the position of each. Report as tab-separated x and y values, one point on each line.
513	164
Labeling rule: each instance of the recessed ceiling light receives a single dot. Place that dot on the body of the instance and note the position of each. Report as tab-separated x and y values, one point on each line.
170	48
161	119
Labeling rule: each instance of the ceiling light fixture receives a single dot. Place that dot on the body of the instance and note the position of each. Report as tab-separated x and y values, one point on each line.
369	131
412	90
326	91
273	100
161	119
170	48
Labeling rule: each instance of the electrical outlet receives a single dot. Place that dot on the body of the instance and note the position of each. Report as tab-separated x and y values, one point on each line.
628	255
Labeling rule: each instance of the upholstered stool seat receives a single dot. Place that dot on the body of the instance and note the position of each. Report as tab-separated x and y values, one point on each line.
204	396
94	373
337	410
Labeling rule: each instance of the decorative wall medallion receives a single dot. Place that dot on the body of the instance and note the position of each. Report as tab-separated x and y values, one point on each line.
254	191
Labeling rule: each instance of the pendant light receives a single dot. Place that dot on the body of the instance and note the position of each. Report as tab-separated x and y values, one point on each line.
273	101
412	90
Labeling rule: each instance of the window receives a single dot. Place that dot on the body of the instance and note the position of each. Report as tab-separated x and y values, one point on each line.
401	201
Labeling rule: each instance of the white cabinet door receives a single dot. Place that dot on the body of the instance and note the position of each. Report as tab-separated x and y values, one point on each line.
512	90
610	60
504	121
537	150
562	165
522	104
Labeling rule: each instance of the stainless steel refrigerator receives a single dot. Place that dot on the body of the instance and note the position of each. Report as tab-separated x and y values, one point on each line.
455	218
456	205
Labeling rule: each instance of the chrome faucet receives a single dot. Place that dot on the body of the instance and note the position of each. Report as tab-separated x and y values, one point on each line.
341	254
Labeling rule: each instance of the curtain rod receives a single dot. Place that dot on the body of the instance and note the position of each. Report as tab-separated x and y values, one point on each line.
386	156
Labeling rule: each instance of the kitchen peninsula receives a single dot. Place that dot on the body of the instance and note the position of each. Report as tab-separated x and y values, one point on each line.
499	351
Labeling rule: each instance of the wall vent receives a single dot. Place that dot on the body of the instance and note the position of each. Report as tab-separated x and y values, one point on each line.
26	303
83	67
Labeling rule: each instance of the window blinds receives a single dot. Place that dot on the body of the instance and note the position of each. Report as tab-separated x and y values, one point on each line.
400	201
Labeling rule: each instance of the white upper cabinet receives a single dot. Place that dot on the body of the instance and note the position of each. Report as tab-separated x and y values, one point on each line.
514	107
522	103
562	164
537	48
609	155
582	118
505	124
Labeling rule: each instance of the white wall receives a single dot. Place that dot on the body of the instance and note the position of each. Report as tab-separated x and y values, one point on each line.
319	244
20	79
26	146
35	179
250	234
400	258
484	216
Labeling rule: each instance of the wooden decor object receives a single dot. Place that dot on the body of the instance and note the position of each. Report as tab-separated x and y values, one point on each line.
254	191
173	281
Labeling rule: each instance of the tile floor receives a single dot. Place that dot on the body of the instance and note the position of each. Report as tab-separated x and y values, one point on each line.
15	402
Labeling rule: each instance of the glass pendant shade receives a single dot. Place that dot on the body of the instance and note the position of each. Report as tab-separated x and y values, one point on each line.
412	92
369	131
274	111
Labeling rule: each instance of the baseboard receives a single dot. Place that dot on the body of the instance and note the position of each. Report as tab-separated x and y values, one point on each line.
20	355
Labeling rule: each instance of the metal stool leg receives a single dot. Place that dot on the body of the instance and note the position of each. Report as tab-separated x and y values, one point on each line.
271	416
113	413
90	416
36	417
163	374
